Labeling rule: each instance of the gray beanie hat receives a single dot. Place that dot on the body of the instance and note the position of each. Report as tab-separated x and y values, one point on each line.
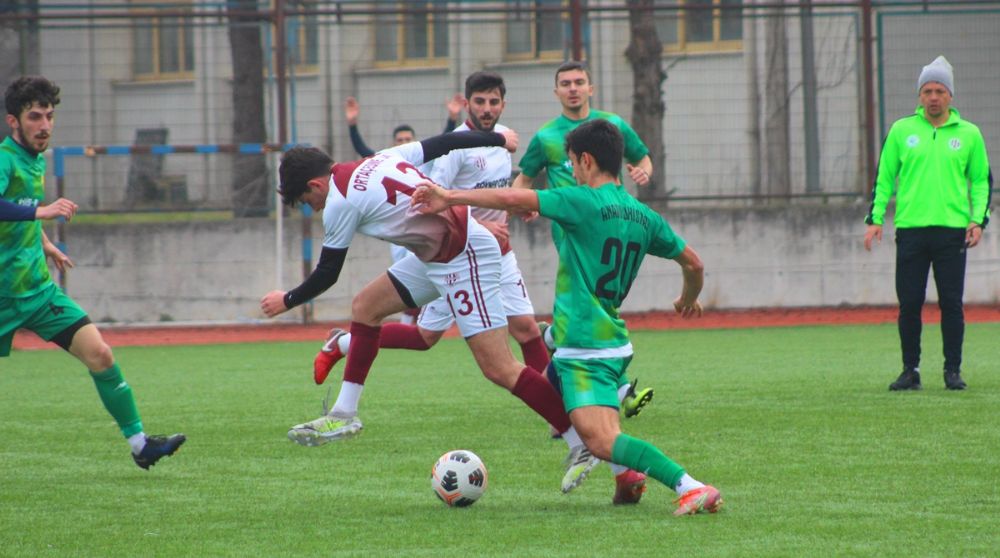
940	71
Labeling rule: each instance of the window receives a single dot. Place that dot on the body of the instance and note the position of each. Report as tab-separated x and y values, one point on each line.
162	47
534	33
303	42
702	30
416	36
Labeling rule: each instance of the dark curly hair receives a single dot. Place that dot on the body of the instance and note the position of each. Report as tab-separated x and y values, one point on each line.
27	90
298	166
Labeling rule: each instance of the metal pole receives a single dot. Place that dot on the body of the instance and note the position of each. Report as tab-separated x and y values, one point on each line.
810	117
576	17
869	100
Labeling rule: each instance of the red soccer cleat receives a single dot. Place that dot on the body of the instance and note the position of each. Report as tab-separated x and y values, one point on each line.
629	487
328	356
704	499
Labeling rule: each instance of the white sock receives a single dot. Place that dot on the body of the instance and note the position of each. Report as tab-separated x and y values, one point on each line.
407	319
344	343
617	469
687	483
622	392
137	442
572	438
347	399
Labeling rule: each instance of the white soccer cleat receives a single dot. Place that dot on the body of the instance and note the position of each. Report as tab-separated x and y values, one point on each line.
579	463
325	429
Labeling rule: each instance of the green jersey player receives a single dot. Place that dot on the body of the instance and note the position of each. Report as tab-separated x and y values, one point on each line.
28	297
607	234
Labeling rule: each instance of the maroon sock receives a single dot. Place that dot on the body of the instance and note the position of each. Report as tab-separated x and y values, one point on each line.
362	352
538	393
535	354
402	336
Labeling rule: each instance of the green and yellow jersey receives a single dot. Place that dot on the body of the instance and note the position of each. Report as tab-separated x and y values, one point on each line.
607	235
23	271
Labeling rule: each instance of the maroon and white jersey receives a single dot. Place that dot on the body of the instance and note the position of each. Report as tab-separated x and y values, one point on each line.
475	169
372	196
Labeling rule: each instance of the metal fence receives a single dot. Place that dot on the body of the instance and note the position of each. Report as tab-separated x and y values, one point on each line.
762	99
764	102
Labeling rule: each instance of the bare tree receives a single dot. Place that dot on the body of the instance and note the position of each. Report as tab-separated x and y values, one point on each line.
18	43
776	117
643	53
250	178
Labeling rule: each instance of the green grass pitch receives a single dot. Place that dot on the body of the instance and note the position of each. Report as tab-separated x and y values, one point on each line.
794	425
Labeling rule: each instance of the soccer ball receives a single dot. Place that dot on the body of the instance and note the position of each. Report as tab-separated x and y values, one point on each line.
459	478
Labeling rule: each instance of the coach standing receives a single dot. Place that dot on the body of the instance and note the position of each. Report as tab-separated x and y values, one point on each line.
942	205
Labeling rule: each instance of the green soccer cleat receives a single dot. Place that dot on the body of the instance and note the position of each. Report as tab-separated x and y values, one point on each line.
635	399
325	429
579	463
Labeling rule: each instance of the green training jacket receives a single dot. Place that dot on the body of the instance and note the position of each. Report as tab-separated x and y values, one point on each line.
944	174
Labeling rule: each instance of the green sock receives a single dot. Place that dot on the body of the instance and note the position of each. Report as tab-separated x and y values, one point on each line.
645	457
116	395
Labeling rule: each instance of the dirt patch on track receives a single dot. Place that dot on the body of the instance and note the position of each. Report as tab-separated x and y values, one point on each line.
773	317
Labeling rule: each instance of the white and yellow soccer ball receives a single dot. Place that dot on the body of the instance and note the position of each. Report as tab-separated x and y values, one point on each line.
459	478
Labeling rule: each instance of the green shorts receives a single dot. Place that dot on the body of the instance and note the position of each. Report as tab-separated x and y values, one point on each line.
48	313
587	382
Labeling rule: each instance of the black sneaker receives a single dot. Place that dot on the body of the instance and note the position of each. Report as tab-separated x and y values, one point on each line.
953	380
157	447
909	379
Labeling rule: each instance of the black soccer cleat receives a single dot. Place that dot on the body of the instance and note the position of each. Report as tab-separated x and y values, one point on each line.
156	448
909	379
953	380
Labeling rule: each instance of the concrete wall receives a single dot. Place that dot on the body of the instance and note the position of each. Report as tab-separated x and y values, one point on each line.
776	257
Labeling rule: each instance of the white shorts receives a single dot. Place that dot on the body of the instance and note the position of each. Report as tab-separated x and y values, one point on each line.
397	252
437	315
469	283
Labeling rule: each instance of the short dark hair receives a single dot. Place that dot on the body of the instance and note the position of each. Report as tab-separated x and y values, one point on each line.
573	65
27	90
603	140
403	128
480	82
298	166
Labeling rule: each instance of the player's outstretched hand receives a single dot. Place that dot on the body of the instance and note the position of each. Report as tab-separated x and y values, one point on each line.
273	303
638	174
692	310
429	197
351	110
59	208
511	137
874	232
60	260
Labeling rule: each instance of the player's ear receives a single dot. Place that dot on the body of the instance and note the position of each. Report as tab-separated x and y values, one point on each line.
11	121
318	183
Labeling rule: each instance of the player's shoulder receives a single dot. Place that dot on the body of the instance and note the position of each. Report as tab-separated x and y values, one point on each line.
609	116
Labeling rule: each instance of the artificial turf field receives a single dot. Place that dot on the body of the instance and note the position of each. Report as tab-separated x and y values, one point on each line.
795	426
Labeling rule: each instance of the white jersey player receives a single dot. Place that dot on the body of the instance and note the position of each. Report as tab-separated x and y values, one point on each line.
468	169
453	257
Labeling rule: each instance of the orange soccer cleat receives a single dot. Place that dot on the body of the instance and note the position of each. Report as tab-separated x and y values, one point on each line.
704	499
328	356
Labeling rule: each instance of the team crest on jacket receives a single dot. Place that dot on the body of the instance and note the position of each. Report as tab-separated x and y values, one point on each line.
913	140
955	144
480	162
451	279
